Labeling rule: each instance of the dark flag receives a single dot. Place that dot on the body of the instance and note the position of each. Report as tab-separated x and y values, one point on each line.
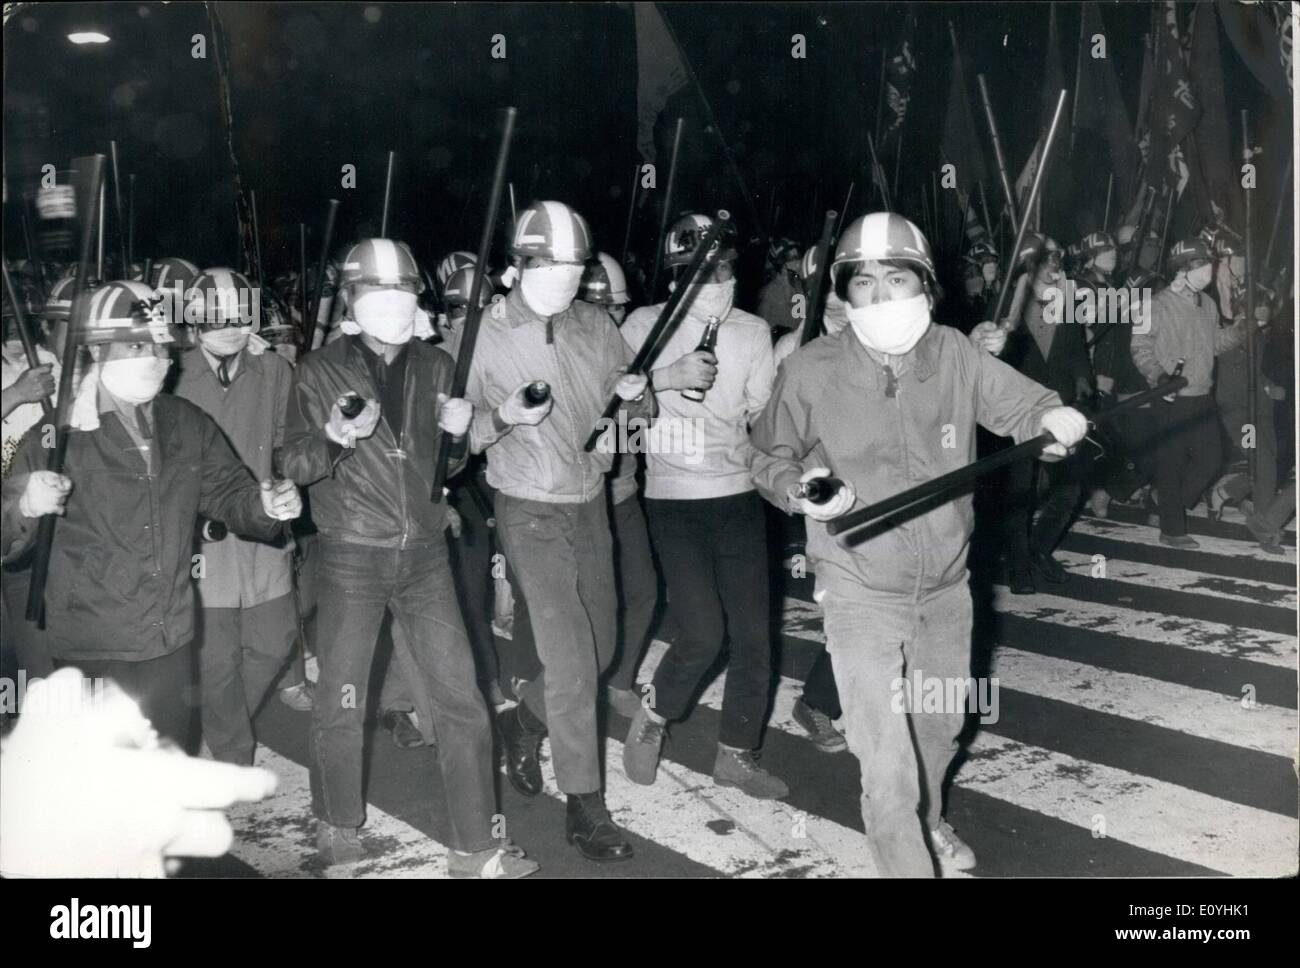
1213	182
898	83
1175	108
959	147
1262	35
1101	119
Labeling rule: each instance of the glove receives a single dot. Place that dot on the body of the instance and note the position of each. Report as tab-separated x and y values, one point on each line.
631	386
841	502
454	522
454	415
515	410
697	369
347	432
1067	425
281	500
1106	384
989	337
46	493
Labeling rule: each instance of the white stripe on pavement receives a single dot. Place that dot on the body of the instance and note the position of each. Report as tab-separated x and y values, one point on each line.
1141	534
1245	590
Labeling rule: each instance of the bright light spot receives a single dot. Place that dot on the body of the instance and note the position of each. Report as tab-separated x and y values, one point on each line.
372	14
88	37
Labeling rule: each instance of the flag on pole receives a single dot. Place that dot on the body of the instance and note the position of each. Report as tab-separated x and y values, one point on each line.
959	147
660	73
1175	108
1213	182
898	83
1053	195
1025	182
1101	114
1264	36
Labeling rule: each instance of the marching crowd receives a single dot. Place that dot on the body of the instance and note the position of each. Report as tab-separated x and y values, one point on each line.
231	497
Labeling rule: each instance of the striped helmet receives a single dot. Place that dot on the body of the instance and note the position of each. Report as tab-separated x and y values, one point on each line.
59	303
166	273
128	312
552	230
603	282
688	232
459	286
880	236
980	253
781	251
380	262
1035	244
453	262
808	264
1187	251
223	297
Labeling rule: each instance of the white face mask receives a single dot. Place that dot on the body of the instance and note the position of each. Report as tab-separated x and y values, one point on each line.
550	289
387	315
712	299
1198	279
225	342
134	380
835	316
989	271
1106	261
893	326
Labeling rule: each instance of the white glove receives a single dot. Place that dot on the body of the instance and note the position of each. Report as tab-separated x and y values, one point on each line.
88	790
454	522
989	337
843	500
515	409
281	500
454	415
46	493
631	386
347	432
1067	425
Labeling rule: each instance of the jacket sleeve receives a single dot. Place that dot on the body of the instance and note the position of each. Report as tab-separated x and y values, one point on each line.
485	428
1007	402
308	454
617	357
228	492
782	436
18	533
1229	337
1144	345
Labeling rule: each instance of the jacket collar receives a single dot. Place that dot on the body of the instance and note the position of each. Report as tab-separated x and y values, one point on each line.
923	358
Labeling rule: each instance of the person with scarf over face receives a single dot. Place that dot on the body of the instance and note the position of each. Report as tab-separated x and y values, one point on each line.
382	548
141	467
1184	325
890	402
249	623
706	520
552	511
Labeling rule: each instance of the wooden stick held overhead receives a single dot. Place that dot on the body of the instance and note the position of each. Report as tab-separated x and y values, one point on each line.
812	324
666	214
309	324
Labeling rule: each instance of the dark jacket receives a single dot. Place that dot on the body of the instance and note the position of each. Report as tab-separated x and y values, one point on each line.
1066	361
378	493
120	584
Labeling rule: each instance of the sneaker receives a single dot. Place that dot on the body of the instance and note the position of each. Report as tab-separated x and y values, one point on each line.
818	725
338	845
740	769
299	698
506	862
1099	503
645	739
950	850
1184	541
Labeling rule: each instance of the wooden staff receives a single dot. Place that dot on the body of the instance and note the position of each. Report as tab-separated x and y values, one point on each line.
812	323
1003	177
1034	191
879	174
32	255
92	170
24	331
257	237
388	192
1252	462
99	244
1110	184
309	324
302	275
466	354
845	210
666	213
130	219
666	323
631	210
117	207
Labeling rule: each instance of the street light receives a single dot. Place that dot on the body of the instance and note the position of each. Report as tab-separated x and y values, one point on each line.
80	37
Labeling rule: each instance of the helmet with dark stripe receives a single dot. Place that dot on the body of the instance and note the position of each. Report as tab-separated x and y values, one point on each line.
603	282
459	286
127	312
451	263
688	232
552	230
222	297
166	273
58	305
380	262
880	236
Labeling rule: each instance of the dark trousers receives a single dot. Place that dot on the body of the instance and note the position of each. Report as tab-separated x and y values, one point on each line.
1188	455
1056	506
164	687
356	584
714	557
1132	464
819	689
242	651
638	589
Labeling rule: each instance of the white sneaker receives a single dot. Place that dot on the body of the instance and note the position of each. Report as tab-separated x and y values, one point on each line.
1099	503
951	851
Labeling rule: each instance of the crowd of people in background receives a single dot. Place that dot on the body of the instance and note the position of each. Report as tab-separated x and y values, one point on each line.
227	511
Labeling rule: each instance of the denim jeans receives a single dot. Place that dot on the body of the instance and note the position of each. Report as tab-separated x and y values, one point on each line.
638	589
874	641
714	555
563	556
241	653
356	584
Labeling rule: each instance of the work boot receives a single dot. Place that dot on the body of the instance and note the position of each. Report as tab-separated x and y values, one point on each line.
587	825
1048	568
1021	580
645	738
523	749
338	845
739	768
818	725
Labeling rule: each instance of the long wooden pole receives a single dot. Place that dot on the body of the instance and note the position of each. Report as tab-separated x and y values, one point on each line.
309	324
117	208
666	214
816	295
257	238
997	150
388	194
302	275
631	211
1252	454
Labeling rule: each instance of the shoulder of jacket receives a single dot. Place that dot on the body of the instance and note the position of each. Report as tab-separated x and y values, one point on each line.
437	357
742	319
181	409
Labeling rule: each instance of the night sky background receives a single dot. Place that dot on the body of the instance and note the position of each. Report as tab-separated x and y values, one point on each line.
315	86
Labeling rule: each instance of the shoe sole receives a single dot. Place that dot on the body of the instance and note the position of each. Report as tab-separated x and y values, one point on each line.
598	860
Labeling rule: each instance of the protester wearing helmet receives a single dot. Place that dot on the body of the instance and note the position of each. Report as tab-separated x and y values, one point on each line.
142	464
777	298
456	292
705	517
871	406
1184	326
382	547
249	623
551	508
603	284
834	318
